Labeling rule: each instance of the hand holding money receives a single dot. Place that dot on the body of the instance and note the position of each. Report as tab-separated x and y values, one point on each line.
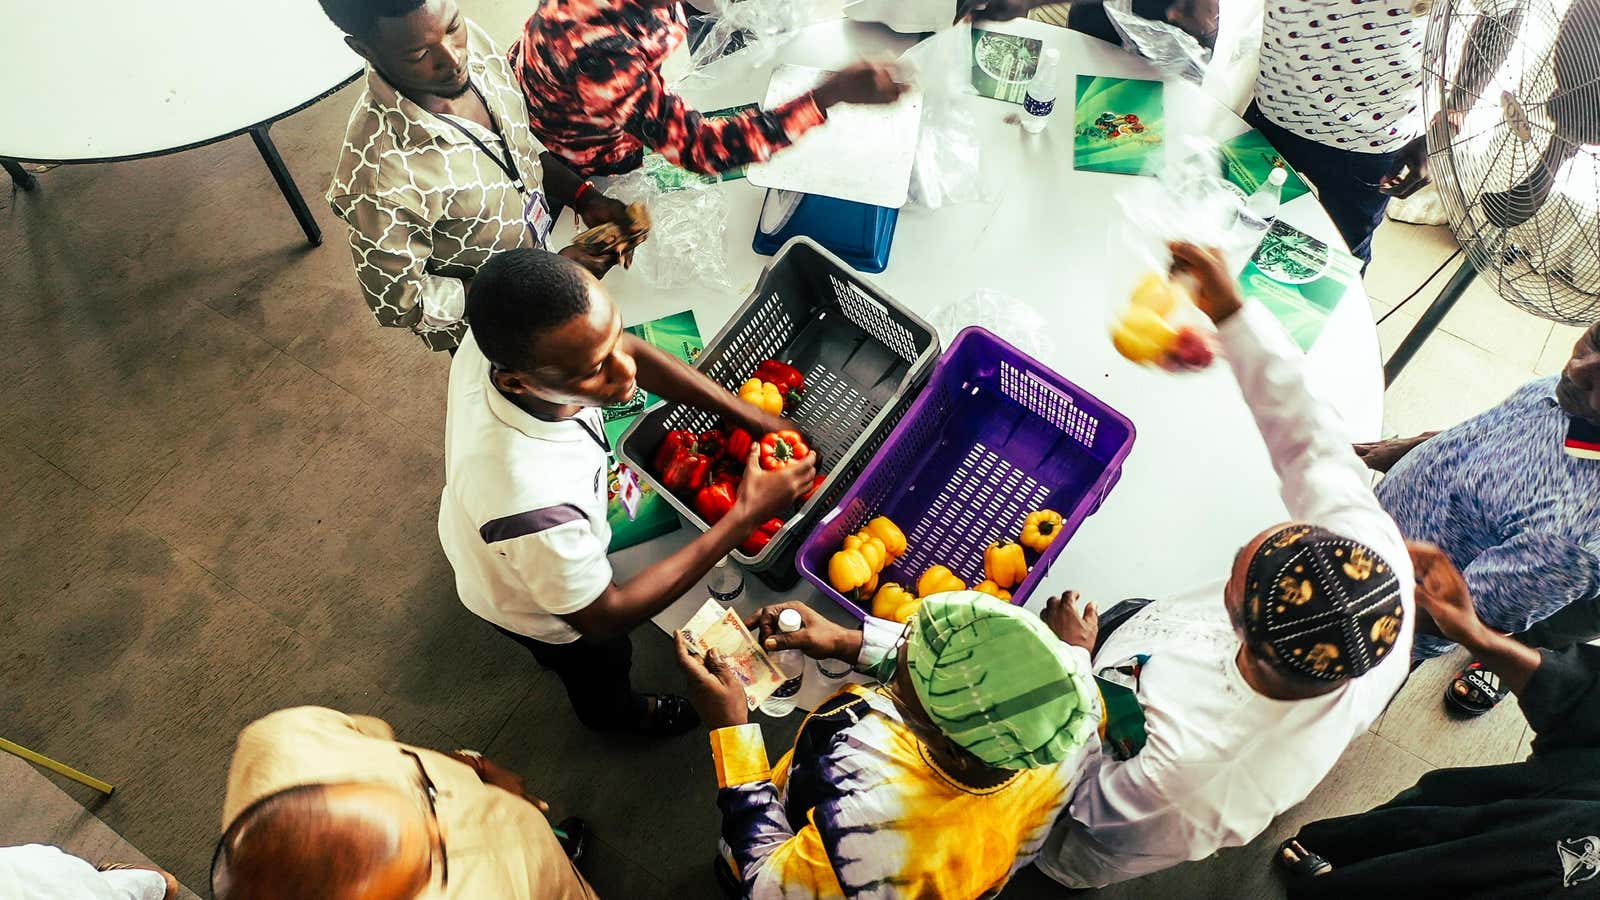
615	241
716	639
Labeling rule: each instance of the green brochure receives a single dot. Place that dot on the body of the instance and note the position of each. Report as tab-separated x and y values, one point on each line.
1299	278
1248	158
669	177
677	334
1118	125
1003	64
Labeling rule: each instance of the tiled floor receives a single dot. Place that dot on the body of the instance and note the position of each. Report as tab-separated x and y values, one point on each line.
217	488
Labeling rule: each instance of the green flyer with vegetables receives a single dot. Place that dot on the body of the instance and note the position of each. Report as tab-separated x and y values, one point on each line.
1300	279
1118	125
679	335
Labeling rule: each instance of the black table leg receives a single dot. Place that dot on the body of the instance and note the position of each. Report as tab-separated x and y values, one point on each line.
280	173
21	176
1430	320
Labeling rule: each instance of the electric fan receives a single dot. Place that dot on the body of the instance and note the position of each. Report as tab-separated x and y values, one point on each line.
1511	93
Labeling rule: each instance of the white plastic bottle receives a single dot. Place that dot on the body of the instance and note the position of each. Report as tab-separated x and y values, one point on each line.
1040	99
792	663
1261	210
727	581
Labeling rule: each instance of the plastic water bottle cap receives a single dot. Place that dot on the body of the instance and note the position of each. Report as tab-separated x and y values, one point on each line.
1278	176
789	620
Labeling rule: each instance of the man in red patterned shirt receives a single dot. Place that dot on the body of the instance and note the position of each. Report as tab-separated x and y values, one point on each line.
591	73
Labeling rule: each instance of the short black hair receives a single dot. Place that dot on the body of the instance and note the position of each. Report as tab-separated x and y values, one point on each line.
518	296
359	18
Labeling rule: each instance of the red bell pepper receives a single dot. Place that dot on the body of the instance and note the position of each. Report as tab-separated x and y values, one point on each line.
738	445
786	377
685	472
761	537
671	447
781	448
714	501
712	444
821	477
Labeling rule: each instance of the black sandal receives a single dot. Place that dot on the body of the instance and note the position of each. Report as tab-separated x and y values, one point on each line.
1475	690
1299	862
667	715
572	833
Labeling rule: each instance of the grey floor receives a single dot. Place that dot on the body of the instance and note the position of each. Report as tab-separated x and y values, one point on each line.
218	482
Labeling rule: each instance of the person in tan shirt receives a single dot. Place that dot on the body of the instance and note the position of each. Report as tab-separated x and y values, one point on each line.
323	804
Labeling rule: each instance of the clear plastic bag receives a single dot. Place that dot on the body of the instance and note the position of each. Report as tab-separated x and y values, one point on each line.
754	27
1012	319
1152	320
1171	50
948	166
686	236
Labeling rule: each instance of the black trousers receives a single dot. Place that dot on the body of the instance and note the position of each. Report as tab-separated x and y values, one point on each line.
1347	181
1576	623
596	674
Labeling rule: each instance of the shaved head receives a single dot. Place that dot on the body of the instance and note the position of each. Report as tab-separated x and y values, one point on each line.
355	841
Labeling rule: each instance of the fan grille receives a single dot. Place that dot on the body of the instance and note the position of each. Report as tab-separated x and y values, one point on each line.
1512	98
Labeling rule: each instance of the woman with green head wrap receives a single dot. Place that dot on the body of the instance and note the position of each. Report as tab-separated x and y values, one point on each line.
938	782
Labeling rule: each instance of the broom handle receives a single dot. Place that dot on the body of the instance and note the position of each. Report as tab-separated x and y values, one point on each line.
57	767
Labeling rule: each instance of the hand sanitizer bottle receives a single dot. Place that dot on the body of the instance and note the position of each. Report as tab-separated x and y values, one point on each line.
792	663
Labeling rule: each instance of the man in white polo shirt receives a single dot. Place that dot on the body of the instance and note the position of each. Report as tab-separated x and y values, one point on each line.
523	514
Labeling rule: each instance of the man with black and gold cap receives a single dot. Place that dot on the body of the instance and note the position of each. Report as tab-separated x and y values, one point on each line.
1245	691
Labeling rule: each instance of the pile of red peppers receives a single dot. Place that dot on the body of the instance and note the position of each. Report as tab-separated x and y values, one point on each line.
705	468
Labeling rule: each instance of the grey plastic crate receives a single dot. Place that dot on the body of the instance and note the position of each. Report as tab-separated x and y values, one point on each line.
863	355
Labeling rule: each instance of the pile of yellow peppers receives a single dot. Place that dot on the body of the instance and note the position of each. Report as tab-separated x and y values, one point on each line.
856	568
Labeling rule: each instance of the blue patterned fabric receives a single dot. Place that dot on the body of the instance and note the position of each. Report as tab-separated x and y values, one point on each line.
1517	514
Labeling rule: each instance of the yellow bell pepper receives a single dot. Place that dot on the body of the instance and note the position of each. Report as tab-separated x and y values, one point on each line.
848	570
1004	563
889	599
894	540
763	395
866	590
993	590
1040	528
906	610
869	547
939	580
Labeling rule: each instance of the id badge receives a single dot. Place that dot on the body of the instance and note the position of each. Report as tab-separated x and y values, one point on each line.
628	491
536	213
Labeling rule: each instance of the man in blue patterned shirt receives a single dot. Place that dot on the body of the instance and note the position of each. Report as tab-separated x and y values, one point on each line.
1515	509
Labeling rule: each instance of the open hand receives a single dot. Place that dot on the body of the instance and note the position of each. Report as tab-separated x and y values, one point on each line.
1078	629
1380	456
715	692
862	82
817	638
1443	594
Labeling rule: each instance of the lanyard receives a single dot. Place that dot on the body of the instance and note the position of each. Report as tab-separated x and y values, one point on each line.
507	165
598	437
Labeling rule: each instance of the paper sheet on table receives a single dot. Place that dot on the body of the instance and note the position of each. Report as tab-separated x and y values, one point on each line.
862	153
720	629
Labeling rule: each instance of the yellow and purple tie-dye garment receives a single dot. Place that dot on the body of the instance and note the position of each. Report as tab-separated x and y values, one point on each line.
858	810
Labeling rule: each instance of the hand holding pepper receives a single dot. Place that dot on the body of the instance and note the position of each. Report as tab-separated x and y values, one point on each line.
772	493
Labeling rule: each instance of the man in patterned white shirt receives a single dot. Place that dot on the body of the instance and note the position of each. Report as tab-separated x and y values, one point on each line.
1339	97
438	170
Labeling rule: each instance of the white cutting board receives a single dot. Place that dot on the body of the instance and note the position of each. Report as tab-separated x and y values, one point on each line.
862	153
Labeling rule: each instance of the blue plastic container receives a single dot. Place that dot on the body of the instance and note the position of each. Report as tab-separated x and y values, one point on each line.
858	233
993	436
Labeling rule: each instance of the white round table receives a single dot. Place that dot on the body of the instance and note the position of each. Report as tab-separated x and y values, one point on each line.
102	80
1198	483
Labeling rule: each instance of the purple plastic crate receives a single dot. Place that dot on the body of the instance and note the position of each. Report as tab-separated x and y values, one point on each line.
994	436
